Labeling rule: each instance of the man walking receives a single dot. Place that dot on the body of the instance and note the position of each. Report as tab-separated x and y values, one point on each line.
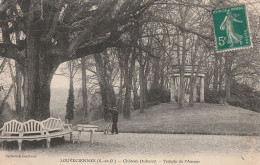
114	119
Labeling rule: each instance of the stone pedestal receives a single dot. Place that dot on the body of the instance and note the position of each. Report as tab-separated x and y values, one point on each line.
173	91
202	90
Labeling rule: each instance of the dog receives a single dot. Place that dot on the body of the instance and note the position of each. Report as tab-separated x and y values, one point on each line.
107	129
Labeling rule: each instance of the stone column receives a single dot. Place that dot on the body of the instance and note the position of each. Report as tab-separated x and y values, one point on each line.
179	90
202	89
195	93
173	89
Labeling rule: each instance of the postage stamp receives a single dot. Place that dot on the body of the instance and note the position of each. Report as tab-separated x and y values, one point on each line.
231	28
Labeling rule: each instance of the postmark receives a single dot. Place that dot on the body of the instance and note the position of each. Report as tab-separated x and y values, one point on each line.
231	28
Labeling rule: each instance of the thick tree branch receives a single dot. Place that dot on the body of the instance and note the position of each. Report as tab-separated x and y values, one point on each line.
110	41
54	23
90	49
100	25
120	44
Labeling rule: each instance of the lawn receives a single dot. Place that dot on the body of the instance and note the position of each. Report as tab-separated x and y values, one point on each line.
212	119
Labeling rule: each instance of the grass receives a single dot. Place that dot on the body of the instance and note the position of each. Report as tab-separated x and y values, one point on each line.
209	119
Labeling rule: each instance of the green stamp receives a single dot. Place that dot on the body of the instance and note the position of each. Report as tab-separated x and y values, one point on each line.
231	28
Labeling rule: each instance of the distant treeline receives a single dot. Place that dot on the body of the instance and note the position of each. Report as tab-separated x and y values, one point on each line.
242	96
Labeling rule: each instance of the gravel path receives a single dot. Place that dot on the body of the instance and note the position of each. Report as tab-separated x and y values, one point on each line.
127	147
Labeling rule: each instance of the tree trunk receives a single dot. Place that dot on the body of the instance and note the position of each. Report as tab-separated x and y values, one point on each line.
142	88
145	90
192	80
156	75
182	71
143	73
106	89
127	103
192	88
38	68
18	82
128	84
102	85
136	105
216	73
2	65
120	97
162	78
208	79
84	90
220	82
182	88
193	77
228	64
13	81
228	88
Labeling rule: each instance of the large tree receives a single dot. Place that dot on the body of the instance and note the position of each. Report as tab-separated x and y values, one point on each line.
48	33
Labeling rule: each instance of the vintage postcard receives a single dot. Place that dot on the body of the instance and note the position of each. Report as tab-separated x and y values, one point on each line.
129	82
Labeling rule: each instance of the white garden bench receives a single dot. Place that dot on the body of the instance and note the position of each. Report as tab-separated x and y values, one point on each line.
56	128
32	130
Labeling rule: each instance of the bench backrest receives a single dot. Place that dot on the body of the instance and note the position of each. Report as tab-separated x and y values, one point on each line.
32	127
53	124
11	127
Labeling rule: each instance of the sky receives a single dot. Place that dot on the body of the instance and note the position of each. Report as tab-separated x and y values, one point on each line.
59	81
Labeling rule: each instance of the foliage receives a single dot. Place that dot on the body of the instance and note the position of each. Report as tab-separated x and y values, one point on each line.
242	95
158	95
245	96
70	106
212	96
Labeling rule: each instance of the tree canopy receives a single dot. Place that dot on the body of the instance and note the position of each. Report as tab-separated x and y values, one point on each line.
69	29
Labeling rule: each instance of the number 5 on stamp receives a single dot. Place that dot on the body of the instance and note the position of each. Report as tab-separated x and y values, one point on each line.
231	28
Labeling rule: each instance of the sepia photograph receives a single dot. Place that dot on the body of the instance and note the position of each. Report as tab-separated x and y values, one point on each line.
130	82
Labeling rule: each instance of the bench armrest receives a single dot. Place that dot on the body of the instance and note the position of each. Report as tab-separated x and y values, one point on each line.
67	125
45	130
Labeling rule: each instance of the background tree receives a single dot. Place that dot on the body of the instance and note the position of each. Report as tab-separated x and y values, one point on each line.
84	90
72	67
70	106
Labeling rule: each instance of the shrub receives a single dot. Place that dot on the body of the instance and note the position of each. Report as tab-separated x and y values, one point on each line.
242	96
70	106
214	97
159	96
245	97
